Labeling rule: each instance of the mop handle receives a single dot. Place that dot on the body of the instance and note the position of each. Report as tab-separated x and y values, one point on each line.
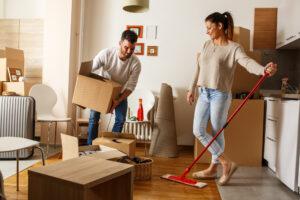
260	81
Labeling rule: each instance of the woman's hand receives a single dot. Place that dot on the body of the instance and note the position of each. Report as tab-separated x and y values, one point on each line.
271	68
190	97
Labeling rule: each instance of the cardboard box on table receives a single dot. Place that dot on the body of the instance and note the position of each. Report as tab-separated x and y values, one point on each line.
13	58
95	92
123	142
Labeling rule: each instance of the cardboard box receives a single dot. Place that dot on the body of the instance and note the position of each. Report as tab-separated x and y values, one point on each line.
71	149
242	36
92	91
21	88
124	142
244	81
10	58
243	136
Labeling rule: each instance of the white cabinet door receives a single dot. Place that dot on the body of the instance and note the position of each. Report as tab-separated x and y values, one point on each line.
287	141
288	28
270	153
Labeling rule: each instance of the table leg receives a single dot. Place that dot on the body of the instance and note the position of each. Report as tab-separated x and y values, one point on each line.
17	170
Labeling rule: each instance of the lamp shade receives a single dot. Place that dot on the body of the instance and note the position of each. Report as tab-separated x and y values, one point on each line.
136	6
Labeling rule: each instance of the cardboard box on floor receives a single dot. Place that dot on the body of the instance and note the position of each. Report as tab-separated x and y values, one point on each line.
124	142
10	58
71	149
243	136
92	91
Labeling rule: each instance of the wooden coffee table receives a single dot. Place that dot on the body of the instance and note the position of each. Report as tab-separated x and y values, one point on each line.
81	179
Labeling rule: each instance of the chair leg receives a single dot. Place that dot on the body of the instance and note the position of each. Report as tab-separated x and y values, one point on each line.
17	170
55	128
42	154
48	138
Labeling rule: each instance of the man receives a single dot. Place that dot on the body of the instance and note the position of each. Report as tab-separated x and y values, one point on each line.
122	66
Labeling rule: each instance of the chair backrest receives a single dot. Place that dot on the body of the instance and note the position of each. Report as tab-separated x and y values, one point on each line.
148	102
45	98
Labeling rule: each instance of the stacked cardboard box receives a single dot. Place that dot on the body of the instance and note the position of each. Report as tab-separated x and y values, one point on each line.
13	58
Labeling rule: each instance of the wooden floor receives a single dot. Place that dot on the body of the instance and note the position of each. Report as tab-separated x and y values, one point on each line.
155	189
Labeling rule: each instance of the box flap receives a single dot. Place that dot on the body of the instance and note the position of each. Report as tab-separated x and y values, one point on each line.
118	135
85	68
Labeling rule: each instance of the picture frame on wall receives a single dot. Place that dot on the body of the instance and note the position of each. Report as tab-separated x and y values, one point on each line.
14	74
152	50
138	29
139	49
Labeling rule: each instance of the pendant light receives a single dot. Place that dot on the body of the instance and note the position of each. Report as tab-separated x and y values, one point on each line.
136	6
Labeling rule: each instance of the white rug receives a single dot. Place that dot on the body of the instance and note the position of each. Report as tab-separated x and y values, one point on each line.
9	167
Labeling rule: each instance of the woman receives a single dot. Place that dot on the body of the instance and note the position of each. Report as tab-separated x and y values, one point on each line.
216	64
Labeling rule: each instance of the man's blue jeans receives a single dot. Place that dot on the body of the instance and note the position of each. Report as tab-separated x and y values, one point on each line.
120	112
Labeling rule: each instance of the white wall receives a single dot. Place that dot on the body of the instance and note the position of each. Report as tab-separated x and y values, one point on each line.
181	32
18	9
61	23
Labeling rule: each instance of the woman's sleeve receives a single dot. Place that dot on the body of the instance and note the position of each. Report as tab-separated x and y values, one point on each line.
196	75
248	63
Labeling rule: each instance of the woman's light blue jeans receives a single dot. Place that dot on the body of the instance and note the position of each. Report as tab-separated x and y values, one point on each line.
212	104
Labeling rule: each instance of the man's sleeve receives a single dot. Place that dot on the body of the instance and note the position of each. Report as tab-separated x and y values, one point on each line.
99	60
134	77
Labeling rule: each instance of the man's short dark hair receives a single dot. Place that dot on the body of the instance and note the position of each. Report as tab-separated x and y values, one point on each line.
129	35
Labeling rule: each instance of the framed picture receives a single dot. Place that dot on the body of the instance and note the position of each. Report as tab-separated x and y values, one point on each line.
14	74
137	29
139	49
152	50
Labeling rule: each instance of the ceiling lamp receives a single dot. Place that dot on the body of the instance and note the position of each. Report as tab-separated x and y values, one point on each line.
136	6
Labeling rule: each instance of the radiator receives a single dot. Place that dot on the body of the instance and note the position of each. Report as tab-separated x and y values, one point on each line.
141	130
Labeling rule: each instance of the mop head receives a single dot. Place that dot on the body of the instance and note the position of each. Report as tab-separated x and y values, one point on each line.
185	181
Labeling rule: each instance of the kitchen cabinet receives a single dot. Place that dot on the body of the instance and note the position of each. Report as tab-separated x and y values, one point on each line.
265	22
288	28
281	148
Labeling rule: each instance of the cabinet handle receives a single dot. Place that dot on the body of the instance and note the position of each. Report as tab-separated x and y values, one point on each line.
273	120
271	139
289	38
272	100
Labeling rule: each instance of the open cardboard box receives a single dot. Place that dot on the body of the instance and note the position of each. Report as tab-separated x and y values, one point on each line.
71	149
13	58
124	142
93	91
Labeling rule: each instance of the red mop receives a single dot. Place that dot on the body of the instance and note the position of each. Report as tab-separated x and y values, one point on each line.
182	178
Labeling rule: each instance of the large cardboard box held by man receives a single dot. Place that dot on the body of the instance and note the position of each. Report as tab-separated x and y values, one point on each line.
124	142
13	58
95	92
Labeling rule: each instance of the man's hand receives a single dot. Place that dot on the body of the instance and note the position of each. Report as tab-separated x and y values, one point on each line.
115	103
190	97
271	68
